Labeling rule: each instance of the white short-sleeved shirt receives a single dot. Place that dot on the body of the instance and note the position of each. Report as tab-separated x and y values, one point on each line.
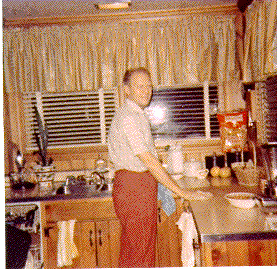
129	136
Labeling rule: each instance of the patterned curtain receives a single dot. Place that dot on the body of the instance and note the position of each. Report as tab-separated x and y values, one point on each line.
177	51
261	27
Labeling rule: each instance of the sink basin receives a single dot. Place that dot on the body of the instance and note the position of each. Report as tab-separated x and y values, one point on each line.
80	190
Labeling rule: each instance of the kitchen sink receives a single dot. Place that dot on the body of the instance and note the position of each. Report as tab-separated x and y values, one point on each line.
80	190
58	191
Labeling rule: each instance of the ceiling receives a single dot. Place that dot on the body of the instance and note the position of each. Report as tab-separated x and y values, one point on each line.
18	9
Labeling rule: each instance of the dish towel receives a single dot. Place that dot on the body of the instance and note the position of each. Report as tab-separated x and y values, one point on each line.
30	263
188	229
168	202
67	250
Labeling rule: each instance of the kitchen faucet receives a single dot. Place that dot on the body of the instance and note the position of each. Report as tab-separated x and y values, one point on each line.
99	179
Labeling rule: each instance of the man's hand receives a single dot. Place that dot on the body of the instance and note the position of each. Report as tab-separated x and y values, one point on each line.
158	171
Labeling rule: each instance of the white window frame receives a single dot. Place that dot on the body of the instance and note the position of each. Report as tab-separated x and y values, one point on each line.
162	142
29	101
159	141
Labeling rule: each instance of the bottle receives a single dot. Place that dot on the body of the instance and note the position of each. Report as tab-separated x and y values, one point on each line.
252	129
100	164
176	159
263	186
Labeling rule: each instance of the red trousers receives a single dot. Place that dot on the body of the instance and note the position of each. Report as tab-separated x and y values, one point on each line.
135	203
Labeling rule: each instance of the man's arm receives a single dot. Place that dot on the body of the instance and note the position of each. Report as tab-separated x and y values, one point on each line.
161	175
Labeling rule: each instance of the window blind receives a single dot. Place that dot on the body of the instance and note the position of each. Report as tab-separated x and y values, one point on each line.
184	112
72	118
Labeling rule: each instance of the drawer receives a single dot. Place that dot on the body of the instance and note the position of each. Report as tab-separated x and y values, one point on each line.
80	210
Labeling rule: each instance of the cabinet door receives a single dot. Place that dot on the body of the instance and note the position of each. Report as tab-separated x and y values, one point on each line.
168	239
51	242
239	253
51	245
107	243
87	247
115	232
103	244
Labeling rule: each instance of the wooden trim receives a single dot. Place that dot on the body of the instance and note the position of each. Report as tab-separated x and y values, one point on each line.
115	17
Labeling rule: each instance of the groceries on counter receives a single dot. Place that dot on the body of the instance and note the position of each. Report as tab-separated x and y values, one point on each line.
223	172
220	175
233	130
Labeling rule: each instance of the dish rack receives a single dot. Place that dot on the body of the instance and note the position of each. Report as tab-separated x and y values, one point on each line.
248	174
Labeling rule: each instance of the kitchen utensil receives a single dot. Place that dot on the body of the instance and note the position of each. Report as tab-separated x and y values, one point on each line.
241	199
19	180
19	161
41	138
45	176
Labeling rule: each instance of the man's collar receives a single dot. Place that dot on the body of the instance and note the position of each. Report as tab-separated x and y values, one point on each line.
134	106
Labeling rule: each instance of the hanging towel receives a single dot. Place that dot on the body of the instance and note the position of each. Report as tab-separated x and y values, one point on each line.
30	263
188	229
168	202
67	250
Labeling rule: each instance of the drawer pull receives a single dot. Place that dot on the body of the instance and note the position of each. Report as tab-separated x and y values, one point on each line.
100	237
90	238
159	215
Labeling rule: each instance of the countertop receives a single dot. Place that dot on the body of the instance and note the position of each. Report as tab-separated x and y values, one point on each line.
36	195
217	220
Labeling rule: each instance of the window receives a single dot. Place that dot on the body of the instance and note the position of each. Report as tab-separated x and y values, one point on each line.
84	118
72	118
184	112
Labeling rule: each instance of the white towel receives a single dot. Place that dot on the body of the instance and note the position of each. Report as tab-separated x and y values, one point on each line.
188	229
67	250
30	262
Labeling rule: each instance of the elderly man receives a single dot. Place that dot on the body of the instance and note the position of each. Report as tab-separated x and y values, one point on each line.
138	170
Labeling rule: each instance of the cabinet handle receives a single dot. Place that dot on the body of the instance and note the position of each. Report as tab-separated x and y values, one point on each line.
216	255
159	215
195	244
100	237
90	238
46	231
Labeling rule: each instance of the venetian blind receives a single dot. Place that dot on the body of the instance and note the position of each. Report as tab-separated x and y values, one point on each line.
184	112
72	118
